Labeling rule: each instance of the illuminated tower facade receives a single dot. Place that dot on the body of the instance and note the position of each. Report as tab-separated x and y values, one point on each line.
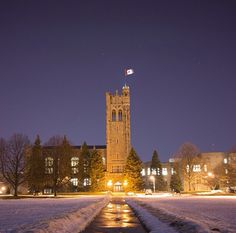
117	133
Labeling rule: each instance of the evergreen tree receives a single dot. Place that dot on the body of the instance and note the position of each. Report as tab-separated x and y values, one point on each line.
60	150
132	172
156	169
84	166
35	165
97	172
175	183
64	164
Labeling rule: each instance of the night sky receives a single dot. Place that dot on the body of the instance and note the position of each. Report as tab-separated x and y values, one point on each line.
58	58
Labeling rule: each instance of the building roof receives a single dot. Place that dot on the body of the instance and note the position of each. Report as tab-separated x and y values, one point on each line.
90	147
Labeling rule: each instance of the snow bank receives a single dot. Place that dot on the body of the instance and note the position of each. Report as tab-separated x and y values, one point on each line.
49	214
73	222
151	222
193	214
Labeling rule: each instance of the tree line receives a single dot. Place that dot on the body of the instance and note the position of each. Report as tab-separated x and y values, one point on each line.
49	165
55	164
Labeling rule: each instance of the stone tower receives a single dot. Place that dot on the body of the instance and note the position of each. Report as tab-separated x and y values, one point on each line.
117	132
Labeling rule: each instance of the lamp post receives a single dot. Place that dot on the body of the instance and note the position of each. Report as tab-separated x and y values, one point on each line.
154	185
125	184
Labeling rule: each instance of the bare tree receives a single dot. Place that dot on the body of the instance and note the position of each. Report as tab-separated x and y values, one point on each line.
12	160
190	163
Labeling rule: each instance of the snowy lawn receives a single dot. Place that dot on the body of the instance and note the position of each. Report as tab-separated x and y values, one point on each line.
187	213
49	215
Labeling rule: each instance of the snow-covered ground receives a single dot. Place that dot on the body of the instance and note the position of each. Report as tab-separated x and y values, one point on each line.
49	215
187	213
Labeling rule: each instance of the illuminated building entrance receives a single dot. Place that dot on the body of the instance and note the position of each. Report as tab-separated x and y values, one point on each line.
118	187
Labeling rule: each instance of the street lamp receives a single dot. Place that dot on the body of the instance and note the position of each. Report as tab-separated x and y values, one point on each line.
125	183
109	184
154	185
210	174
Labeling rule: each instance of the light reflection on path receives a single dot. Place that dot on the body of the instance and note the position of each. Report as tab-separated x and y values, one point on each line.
116	217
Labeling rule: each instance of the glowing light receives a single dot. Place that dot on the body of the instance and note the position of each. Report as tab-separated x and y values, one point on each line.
210	174
109	205
3	189
109	183
125	183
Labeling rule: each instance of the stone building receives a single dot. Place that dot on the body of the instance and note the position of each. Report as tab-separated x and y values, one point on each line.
117	147
117	136
203	170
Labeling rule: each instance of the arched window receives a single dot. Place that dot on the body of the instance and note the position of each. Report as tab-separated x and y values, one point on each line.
113	115
120	115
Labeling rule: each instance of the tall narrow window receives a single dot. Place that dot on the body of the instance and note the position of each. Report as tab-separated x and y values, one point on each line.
74	165
113	117
164	171
48	165
120	115
143	172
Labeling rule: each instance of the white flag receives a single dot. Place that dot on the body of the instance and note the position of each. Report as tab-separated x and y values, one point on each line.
129	72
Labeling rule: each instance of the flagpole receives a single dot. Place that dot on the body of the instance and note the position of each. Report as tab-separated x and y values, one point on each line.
128	72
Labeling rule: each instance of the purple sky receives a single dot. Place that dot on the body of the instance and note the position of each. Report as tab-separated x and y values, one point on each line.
58	58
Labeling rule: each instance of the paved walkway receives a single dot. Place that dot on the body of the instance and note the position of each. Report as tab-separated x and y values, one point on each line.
116	217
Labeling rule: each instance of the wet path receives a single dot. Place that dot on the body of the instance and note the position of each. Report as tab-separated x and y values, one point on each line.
116	217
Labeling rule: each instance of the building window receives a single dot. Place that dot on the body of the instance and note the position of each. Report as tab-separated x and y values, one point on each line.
87	181
225	160
172	171
205	168
187	168
117	169
164	171
113	115
48	170
74	161
74	165
74	181
86	165
171	160
48	161
74	170
154	171
197	168
47	191
120	115
143	172
103	160
148	171
226	171
48	165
